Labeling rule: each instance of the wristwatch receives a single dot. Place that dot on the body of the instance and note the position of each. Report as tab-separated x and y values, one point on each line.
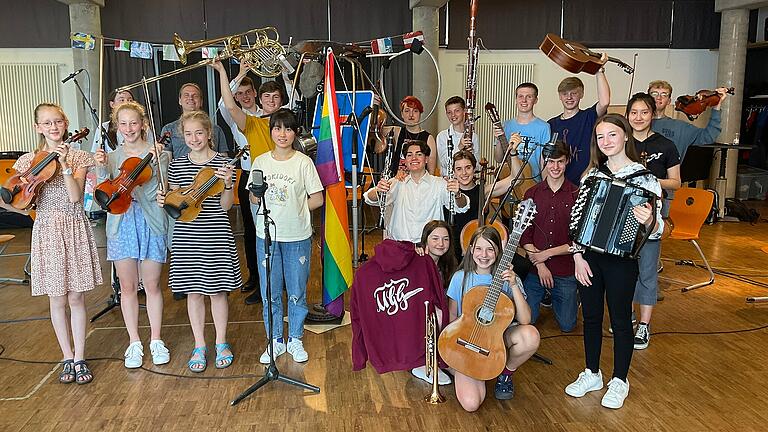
67	171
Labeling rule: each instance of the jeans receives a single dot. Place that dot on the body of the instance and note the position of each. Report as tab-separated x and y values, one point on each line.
290	268
564	299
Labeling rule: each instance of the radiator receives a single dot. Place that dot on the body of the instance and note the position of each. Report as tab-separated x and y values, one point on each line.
22	88
496	83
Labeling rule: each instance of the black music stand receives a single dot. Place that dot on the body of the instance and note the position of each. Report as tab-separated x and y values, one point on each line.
721	180
270	372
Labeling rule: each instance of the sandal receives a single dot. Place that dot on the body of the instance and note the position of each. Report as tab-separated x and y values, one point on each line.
67	375
223	361
201	363
83	375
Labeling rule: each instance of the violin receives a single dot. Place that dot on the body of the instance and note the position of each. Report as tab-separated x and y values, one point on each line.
575	57
470	228
693	106
21	189
114	196
184	204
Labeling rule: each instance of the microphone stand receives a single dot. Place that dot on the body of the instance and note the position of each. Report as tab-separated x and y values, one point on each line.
354	121
511	185
271	373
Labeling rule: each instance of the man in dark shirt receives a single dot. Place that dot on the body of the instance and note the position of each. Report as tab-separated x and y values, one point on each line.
191	99
574	125
546	242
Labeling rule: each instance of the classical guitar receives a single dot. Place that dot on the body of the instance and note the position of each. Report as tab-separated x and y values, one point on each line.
575	57
474	343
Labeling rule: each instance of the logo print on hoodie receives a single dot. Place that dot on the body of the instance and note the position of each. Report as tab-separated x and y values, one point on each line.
392	298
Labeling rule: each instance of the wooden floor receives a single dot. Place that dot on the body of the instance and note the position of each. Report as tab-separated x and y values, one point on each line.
686	380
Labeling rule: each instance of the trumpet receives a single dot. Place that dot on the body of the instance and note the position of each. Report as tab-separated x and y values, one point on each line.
430	337
266	55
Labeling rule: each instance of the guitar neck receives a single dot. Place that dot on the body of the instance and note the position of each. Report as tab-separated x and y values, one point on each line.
505	262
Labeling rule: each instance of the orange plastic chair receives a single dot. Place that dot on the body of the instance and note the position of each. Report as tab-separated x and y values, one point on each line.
688	212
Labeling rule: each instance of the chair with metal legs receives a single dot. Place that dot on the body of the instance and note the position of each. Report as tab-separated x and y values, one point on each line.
688	212
5	241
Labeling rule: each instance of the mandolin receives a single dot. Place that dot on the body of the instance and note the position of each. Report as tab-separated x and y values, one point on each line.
184	204
575	57
474	343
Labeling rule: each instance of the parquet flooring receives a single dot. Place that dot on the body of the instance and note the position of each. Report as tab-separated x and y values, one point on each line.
682	382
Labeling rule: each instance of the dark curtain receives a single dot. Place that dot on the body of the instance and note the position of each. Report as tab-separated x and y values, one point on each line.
602	23
152	20
696	25
299	19
34	24
502	24
121	69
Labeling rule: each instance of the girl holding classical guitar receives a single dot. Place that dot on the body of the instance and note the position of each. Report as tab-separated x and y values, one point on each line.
204	259
136	238
521	339
611	278
63	256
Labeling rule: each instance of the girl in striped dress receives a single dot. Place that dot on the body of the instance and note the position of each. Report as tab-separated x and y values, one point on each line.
136	239
204	261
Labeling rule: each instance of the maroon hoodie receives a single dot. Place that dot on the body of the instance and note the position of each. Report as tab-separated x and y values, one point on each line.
387	307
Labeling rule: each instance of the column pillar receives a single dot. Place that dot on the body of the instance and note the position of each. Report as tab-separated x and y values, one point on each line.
734	25
426	18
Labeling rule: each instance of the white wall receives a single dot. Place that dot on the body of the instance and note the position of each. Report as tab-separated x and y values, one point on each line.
67	92
687	70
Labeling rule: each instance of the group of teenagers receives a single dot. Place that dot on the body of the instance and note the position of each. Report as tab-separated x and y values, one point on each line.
643	145
203	259
202	255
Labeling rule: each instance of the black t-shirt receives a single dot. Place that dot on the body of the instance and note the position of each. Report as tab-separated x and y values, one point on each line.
660	154
460	220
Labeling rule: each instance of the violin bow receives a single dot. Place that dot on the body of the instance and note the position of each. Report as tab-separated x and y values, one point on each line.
160	176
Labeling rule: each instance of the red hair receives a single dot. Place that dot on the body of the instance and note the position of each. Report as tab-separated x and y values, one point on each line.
412	102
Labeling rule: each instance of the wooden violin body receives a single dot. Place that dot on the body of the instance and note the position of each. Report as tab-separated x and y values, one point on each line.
693	106
21	189
114	195
184	204
473	225
575	57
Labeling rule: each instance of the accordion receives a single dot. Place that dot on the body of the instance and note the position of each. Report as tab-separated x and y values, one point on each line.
602	218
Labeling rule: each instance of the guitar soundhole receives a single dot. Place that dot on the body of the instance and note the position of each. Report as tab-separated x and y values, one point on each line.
484	315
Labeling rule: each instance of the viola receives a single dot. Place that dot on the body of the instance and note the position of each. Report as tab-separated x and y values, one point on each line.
184	204
472	226
693	106
21	189
114	196
575	57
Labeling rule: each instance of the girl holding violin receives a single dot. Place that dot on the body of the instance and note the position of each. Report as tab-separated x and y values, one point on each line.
136	239
64	259
204	259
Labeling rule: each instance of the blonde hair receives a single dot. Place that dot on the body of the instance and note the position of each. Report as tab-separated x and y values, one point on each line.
660	84
138	109
198	116
41	137
570	83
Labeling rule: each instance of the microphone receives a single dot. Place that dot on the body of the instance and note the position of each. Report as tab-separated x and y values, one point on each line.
549	148
72	75
258	186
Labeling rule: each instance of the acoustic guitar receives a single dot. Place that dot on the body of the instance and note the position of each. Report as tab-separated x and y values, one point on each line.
474	343
575	57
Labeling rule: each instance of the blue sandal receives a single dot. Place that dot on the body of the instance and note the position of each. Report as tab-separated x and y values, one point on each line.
223	361
201	364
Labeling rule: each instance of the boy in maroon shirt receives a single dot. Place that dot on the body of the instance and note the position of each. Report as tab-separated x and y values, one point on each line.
546	241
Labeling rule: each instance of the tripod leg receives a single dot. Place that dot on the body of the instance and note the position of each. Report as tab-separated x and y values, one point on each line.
298	383
542	359
257	385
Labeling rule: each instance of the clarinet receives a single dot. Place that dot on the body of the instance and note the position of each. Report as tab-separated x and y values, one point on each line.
385	174
452	200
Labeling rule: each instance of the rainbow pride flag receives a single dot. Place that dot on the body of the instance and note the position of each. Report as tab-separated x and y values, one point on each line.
337	247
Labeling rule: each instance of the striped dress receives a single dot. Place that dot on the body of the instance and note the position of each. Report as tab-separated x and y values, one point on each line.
204	258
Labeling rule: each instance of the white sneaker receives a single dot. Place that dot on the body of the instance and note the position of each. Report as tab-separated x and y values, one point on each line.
160	353
296	350
618	390
133	355
277	347
585	383
421	373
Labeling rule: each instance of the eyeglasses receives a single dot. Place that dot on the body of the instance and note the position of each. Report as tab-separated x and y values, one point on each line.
659	94
48	124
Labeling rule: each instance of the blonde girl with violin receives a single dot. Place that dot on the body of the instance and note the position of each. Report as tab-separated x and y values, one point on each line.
63	255
136	239
204	259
